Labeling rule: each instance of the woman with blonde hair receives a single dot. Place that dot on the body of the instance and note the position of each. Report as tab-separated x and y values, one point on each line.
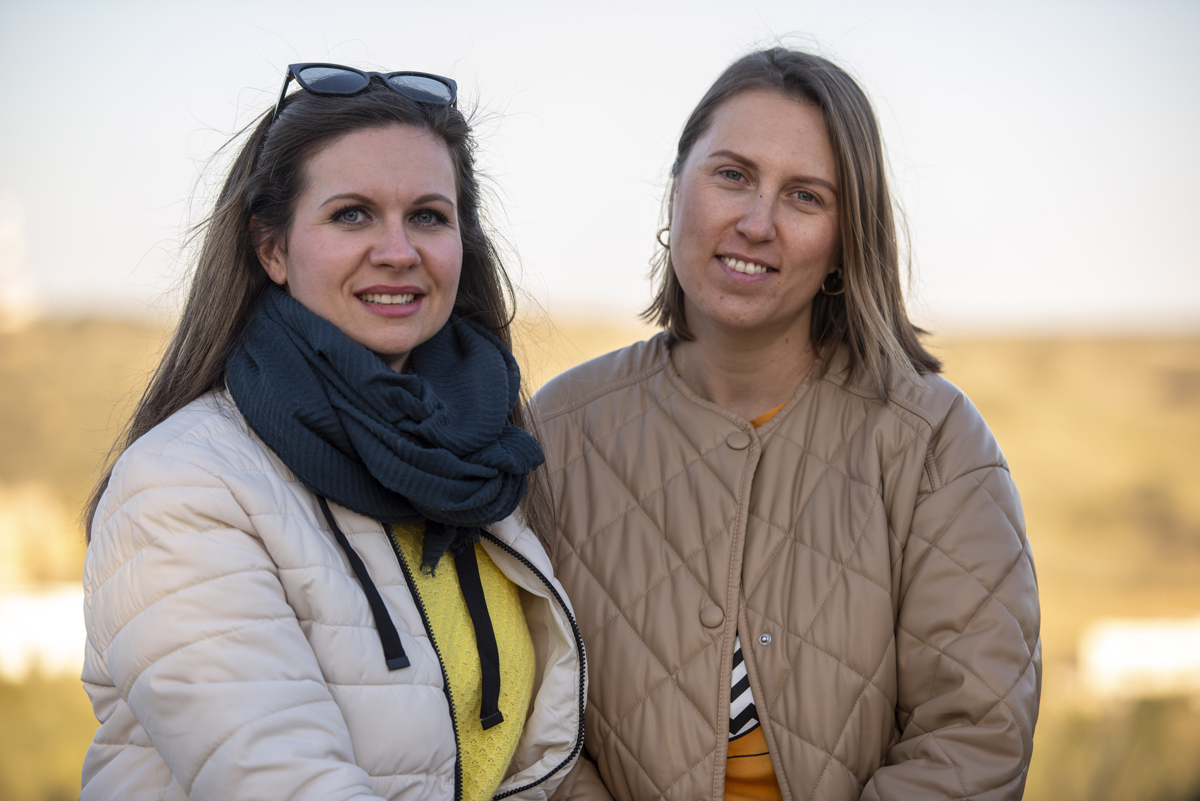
796	554
307	575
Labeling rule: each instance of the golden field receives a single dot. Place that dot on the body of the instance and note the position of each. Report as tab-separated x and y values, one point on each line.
1102	435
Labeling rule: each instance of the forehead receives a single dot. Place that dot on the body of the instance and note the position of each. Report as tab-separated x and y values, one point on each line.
394	155
761	123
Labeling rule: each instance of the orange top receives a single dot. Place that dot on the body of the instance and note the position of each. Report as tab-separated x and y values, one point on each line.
748	772
765	417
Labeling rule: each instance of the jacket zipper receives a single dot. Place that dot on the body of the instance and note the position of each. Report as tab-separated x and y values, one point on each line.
412	588
582	662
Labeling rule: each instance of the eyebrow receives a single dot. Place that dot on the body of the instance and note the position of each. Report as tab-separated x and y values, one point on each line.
432	196
812	179
426	198
345	196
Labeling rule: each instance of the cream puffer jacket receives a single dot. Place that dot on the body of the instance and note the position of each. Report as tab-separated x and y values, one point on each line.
232	653
872	555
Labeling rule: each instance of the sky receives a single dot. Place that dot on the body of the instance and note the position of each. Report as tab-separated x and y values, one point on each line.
1044	153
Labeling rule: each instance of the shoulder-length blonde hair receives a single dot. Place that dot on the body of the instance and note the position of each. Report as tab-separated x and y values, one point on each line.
869	317
264	183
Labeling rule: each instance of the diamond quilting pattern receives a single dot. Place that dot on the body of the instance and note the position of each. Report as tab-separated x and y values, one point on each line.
657	618
688	545
988	560
690	737
640	676
894	584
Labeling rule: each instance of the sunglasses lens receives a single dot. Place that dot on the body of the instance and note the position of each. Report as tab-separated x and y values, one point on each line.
332	80
421	89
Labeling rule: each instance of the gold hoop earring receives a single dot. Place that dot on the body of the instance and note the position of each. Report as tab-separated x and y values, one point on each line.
841	283
658	236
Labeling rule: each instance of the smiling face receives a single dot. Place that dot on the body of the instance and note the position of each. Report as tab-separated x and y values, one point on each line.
374	246
754	224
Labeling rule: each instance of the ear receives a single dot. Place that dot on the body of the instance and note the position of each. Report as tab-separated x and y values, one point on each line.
270	254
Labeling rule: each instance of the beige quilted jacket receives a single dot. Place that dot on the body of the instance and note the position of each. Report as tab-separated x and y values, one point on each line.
872	554
232	654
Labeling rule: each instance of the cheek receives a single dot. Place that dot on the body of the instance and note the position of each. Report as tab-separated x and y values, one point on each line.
689	224
449	269
832	240
686	216
306	280
816	245
303	253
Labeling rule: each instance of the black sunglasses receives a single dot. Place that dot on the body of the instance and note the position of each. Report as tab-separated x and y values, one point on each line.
334	79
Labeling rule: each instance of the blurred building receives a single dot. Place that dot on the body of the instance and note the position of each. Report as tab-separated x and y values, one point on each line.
1129	658
41	629
41	598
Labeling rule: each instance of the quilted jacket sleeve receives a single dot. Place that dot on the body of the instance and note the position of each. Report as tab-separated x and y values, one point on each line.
583	783
185	608
967	636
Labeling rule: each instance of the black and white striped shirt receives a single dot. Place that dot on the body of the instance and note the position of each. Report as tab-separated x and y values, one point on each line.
743	715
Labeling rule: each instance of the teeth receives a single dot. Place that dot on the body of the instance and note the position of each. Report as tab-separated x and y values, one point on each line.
388	300
747	267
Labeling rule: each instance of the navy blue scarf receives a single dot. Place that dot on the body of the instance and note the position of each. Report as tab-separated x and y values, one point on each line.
434	444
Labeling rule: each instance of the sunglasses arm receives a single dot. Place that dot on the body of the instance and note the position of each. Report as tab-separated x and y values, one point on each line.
282	93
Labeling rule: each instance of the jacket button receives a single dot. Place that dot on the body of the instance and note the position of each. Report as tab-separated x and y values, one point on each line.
712	616
765	639
738	440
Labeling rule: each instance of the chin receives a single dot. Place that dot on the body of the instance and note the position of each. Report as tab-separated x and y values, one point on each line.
738	319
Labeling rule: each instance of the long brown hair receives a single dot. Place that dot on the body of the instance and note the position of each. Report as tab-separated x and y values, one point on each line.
870	316
265	181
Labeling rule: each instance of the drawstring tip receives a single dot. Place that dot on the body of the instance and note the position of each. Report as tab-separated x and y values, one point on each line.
494	719
395	663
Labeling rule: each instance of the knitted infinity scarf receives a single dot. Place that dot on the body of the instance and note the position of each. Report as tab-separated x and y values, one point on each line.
434	444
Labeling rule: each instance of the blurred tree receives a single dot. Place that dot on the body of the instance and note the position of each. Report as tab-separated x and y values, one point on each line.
48	724
38	539
65	391
1147	750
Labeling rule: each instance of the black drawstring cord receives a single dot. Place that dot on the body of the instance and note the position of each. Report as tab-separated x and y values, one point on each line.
393	651
467	566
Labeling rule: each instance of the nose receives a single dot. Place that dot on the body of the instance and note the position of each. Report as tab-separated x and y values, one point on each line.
758	220
393	248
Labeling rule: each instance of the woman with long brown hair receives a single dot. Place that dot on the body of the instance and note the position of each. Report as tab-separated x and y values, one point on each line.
796	553
307	573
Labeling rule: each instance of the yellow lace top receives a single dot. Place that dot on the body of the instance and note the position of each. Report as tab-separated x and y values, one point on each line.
483	755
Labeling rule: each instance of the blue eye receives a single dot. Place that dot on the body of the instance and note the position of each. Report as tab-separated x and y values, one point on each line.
430	217
352	216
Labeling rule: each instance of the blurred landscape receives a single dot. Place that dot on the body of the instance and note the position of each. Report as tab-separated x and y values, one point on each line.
1102	435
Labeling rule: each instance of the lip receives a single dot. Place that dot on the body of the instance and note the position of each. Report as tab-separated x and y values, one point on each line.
392	310
743	278
390	289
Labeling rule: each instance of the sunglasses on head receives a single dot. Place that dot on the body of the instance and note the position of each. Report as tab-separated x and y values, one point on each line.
334	79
